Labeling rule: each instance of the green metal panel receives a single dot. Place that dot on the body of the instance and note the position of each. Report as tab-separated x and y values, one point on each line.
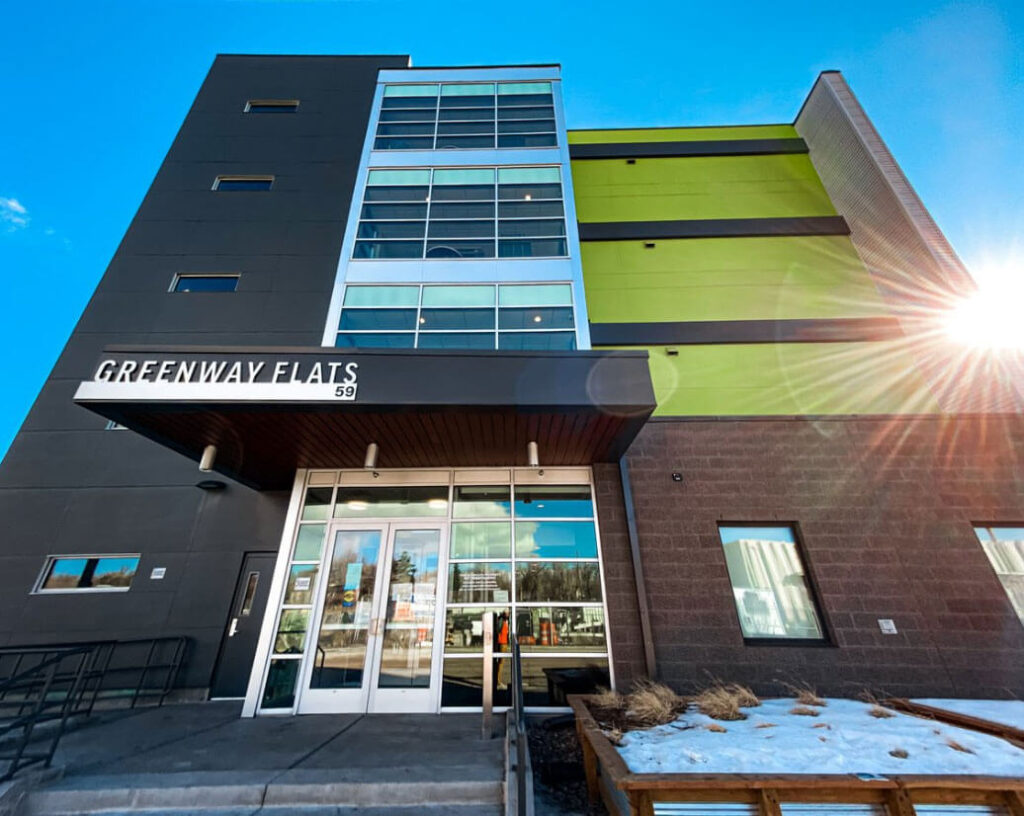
683	134
727	279
768	186
789	379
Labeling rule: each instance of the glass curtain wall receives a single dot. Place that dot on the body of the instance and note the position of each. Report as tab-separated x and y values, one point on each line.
448	213
529	554
467	316
465	115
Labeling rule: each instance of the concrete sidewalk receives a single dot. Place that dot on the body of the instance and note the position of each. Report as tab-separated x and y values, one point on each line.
204	757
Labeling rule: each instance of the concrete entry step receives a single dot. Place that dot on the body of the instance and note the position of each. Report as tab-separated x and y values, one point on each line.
203	758
324	810
202	792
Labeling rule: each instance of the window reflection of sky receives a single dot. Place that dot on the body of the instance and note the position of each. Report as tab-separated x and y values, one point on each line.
756	534
555	539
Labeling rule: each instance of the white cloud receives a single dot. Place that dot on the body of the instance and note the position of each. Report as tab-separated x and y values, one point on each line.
13	214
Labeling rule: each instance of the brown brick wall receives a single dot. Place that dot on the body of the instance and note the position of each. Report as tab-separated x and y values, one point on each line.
884	508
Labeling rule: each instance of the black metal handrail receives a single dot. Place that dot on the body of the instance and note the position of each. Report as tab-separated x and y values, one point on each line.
51	690
516	734
50	684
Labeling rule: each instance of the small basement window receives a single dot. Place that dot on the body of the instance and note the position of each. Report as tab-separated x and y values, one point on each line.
100	573
243	183
272	106
772	595
204	283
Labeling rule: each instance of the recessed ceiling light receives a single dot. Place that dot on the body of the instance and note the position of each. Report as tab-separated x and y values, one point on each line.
536	318
528	197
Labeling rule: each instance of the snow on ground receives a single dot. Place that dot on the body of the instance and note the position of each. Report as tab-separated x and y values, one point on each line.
1007	712
843	739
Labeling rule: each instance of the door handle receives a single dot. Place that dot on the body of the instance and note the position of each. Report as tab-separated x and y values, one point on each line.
375	626
234	627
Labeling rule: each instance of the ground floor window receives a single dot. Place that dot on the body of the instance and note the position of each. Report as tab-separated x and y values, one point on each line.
96	573
773	597
389	576
1004	547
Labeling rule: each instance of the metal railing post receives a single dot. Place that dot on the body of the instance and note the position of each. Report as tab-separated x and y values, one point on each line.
487	729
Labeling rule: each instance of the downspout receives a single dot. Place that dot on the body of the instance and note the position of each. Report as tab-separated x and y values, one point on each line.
638	570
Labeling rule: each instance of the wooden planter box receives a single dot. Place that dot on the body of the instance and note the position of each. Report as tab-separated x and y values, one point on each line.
635	794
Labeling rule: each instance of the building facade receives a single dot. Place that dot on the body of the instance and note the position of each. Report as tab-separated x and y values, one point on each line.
666	402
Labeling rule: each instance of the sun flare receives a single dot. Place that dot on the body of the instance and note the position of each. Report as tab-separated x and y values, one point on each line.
991	317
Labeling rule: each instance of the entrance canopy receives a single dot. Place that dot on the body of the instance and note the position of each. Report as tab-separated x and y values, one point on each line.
270	411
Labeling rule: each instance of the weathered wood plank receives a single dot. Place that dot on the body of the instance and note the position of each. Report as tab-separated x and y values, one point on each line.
1007	732
1015	802
768	804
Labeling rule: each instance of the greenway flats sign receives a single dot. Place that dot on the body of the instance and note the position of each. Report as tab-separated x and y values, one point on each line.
221	377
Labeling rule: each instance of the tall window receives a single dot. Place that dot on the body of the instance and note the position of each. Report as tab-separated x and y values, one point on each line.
466	116
1004	547
772	595
469	316
449	213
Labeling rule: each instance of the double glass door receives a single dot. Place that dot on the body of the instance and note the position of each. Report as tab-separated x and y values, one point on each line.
376	614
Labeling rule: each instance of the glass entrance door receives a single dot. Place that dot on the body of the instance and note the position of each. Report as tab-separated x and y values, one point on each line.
373	644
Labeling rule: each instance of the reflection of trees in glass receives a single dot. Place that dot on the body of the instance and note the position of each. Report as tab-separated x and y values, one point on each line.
86	573
291	632
478	583
403	570
558	581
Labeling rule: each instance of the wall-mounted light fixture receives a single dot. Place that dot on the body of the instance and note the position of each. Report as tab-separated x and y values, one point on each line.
370	462
208	458
532	454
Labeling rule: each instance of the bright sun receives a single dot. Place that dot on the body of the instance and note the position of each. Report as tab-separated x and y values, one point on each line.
992	317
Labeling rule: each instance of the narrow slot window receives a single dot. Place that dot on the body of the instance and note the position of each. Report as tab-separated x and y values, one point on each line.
205	283
243	183
272	106
99	573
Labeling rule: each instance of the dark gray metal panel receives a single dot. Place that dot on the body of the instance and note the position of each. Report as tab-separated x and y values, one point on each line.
699	332
714	228
718	147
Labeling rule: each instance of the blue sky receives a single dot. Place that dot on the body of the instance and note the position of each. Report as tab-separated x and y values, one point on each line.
95	92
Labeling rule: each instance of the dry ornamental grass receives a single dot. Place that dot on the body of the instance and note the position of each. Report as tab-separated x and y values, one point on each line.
723	702
806	695
653	704
880	713
804	711
956	746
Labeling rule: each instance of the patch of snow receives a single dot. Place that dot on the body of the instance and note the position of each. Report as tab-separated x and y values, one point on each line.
1007	712
853	742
